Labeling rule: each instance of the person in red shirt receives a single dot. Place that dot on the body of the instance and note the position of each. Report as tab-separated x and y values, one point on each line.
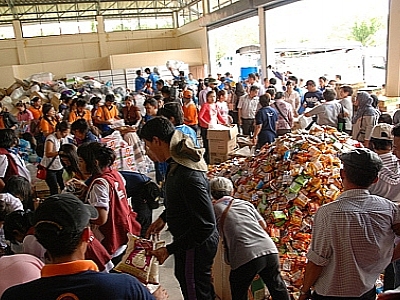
209	115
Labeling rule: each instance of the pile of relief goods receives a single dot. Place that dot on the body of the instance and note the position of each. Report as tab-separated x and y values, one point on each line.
44	86
288	181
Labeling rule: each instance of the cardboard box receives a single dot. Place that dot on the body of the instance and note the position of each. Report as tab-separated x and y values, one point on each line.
217	158
222	132
126	151
222	146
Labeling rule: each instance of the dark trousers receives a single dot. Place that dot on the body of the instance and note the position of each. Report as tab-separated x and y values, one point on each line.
248	126
370	295
193	270
144	217
205	144
267	267
54	180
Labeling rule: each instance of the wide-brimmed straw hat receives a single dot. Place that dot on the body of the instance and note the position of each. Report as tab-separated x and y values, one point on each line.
185	153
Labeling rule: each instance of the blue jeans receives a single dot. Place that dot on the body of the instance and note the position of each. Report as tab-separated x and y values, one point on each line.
54	180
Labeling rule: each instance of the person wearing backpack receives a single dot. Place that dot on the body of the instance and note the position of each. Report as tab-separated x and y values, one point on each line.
285	114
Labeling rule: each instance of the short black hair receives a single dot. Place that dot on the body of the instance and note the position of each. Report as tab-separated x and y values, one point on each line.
347	89
110	98
359	177
254	88
159	127
80	125
147	70
160	81
63	126
264	100
271	92
151	101
172	109
95	100
278	95
396	130
293	78
323	78
166	90
96	156
379	144
138	72
19	187
385	118
252	75
80	103
8	138
17	220
329	94
272	81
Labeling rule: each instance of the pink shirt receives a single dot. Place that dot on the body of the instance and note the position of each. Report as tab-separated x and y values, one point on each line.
18	268
210	115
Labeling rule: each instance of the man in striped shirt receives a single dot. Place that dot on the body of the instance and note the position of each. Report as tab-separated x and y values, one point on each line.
353	237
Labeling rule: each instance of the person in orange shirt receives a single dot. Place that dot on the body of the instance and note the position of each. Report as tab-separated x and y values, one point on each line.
106	114
36	108
49	121
189	110
80	113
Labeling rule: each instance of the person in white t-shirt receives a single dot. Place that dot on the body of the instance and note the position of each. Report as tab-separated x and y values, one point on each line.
51	159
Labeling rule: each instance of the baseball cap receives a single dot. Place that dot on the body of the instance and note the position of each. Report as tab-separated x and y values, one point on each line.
221	184
363	159
187	94
382	131
66	212
212	81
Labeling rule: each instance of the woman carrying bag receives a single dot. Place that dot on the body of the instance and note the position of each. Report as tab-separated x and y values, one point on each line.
51	159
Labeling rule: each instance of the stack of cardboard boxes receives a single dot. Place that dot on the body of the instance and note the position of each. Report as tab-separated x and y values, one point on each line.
221	142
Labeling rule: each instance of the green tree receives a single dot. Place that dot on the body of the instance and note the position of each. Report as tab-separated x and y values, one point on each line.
121	27
365	31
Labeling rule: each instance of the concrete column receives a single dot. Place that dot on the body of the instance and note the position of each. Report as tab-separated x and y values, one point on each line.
263	42
393	51
20	42
102	36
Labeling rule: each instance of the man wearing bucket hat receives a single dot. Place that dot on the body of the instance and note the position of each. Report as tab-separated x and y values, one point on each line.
62	227
353	237
188	208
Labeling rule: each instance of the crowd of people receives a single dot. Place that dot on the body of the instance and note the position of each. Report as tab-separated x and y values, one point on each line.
81	229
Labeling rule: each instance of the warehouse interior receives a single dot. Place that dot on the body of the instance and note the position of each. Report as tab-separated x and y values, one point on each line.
166	29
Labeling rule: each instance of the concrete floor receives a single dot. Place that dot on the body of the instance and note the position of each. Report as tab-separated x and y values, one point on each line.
167	278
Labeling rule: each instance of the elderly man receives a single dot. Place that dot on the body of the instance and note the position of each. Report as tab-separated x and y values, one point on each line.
353	237
243	228
188	209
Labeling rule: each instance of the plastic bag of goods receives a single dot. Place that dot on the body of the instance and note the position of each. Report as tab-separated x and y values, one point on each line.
288	181
138	262
174	64
41	77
